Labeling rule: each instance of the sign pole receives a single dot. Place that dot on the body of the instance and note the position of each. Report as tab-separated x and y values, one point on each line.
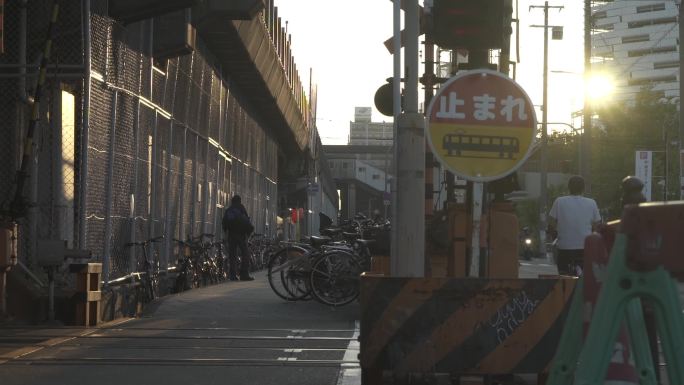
643	169
396	108
481	126
478	198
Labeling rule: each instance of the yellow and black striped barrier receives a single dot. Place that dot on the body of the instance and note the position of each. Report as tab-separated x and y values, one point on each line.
460	326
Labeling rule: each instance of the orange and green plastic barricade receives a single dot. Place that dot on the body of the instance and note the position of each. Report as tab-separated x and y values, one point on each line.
646	255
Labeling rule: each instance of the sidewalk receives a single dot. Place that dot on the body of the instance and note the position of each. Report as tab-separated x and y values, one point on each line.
536	267
237	332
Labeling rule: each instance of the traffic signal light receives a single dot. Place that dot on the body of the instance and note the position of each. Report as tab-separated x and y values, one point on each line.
473	24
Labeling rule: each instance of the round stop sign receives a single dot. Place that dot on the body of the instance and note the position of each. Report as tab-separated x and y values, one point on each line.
481	125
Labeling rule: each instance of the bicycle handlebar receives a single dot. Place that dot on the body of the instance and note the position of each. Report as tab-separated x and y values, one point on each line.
144	243
204	235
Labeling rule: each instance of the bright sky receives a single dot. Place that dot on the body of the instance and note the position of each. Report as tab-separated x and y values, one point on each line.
341	41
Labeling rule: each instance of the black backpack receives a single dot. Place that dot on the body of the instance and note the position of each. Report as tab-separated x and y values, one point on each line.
235	221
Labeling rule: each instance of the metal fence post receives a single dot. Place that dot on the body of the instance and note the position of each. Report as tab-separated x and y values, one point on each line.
181	182
85	125
155	173
193	198
134	188
109	192
205	190
167	198
215	194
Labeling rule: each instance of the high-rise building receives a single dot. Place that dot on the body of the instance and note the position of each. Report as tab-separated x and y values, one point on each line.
636	43
363	131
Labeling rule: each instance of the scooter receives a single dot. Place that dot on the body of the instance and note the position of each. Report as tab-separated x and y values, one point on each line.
526	245
527	248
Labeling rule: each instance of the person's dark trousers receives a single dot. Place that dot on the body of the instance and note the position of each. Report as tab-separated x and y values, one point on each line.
568	259
235	243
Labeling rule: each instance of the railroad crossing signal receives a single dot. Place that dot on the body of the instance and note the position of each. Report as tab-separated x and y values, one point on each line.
469	23
481	125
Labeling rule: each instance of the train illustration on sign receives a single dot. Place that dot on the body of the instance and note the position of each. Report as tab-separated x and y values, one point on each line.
487	145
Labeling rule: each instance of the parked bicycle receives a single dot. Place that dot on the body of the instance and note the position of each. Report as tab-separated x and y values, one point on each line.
205	262
187	277
148	270
220	260
327	271
261	248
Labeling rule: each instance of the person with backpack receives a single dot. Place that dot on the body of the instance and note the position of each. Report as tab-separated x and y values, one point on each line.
237	227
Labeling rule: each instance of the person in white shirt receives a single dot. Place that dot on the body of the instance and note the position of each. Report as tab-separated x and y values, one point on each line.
573	217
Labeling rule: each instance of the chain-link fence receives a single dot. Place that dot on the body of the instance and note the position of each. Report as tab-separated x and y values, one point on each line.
51	191
183	144
168	141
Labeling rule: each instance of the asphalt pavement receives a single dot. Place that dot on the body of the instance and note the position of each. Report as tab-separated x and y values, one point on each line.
230	333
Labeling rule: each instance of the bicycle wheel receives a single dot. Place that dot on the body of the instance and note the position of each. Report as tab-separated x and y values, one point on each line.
147	288
196	275
297	281
280	266
154	286
265	256
151	280
188	275
335	278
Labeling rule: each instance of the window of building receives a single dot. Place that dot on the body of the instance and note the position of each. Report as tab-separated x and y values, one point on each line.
646	23
658	79
376	176
68	137
666	64
600	15
344	164
605	27
653	50
651	8
362	169
635	39
605	55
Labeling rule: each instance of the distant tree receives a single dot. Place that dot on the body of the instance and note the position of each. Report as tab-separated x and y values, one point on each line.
650	124
528	210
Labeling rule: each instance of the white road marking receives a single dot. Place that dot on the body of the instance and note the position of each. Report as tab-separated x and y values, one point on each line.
350	373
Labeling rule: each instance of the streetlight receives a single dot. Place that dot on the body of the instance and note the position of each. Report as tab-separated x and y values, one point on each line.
544	135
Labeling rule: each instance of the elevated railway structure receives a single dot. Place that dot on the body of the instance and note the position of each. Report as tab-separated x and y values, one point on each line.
153	114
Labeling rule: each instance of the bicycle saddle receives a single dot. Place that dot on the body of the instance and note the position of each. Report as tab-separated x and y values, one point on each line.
350	236
331	231
317	241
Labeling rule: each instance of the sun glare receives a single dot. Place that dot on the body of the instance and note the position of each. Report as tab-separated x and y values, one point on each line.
599	88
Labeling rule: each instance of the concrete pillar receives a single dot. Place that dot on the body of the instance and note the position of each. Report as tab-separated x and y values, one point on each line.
351	200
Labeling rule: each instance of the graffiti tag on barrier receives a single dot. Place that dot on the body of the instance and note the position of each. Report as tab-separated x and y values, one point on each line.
512	315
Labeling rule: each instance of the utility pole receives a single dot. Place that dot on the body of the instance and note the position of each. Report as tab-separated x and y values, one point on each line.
543	198
585	165
408	222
